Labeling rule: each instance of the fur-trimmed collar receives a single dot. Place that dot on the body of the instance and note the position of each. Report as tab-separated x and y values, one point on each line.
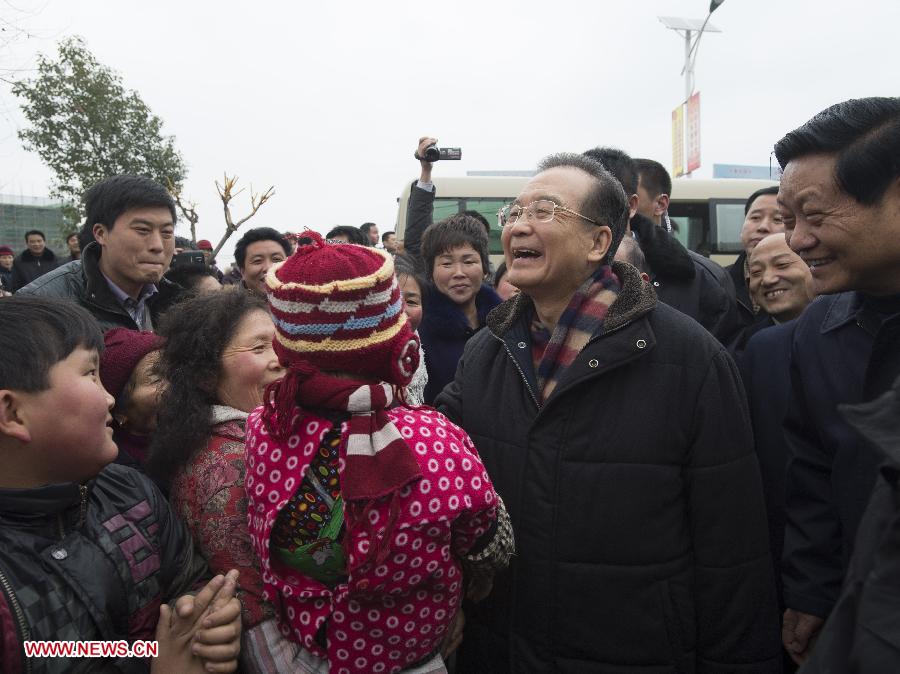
665	255
223	413
634	300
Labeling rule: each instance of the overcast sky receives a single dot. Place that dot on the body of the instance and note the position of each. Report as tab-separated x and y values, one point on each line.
325	101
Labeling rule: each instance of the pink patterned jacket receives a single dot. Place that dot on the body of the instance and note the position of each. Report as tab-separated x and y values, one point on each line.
387	616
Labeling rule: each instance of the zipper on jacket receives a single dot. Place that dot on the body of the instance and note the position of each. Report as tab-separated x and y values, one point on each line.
522	374
20	617
82	512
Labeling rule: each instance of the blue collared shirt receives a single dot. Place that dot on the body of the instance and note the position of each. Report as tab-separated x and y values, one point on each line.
137	309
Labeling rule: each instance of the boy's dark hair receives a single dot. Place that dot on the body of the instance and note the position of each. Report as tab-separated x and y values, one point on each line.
105	201
353	234
259	234
457	230
404	266
606	203
758	193
41	331
654	177
196	332
620	164
483	220
384	237
864	133
32	232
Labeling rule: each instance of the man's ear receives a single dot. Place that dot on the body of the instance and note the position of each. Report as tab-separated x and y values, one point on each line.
661	205
100	233
632	205
601	240
11	422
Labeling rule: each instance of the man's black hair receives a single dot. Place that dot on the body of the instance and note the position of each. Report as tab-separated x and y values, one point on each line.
620	164
633	254
184	243
483	220
108	199
384	237
33	232
772	189
46	331
353	234
259	234
654	177
452	232
864	133
606	203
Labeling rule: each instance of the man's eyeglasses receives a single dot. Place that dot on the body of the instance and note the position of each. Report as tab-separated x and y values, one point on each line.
541	210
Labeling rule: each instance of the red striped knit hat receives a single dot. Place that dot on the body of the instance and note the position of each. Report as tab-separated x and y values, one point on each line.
337	307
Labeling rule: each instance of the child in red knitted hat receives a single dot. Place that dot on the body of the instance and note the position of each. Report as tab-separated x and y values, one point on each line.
370	518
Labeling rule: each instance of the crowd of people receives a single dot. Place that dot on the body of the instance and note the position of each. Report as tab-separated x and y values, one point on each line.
355	453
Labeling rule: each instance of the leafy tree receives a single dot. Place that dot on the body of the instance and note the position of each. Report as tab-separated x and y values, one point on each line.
86	126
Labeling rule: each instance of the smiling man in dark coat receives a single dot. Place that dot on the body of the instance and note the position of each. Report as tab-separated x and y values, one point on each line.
617	432
840	202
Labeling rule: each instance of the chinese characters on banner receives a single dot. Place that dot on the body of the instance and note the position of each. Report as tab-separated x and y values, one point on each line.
678	141
693	132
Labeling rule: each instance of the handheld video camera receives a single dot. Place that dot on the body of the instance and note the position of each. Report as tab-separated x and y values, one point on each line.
435	153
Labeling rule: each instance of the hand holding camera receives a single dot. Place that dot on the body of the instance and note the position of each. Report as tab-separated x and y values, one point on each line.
428	152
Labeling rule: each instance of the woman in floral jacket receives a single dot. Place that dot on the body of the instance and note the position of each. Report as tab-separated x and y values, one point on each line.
217	360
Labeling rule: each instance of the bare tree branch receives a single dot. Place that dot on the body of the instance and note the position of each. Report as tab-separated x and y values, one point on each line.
227	193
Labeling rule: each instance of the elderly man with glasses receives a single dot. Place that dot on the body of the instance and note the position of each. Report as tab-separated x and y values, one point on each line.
616	430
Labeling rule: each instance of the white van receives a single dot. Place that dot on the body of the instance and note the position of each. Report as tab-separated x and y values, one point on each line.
706	215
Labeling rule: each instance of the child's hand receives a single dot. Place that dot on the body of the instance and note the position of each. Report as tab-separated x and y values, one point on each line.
218	640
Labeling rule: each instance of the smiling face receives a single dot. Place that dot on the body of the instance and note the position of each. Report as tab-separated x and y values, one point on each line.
138	249
249	363
780	282
70	437
36	244
847	245
6	262
761	220
260	256
412	299
142	393
552	259
457	273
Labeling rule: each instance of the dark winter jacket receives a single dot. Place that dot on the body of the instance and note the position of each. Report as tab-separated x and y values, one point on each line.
741	290
765	368
444	332
83	282
28	267
862	634
89	562
6	280
634	493
846	350
687	281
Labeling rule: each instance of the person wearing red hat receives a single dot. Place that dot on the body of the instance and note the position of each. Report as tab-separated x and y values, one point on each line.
127	371
6	264
371	519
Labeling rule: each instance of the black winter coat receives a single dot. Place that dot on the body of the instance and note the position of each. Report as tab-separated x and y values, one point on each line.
862	634
27	267
635	496
846	350
83	282
89	562
687	281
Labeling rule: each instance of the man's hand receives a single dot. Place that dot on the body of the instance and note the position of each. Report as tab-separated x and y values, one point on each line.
424	142
454	635
799	632
203	632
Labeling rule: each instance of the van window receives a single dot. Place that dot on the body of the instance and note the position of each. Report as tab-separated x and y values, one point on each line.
726	224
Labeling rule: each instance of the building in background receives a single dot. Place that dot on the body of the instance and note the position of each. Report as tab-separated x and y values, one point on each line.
19	214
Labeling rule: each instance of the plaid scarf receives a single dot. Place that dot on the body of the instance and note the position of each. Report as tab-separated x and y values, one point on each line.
581	320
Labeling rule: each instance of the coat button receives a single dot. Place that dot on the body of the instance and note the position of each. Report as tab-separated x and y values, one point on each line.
593	362
59	554
641	344
656	283
521	345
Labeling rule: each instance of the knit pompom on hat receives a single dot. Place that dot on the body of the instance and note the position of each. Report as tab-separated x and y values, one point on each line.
123	349
338	308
